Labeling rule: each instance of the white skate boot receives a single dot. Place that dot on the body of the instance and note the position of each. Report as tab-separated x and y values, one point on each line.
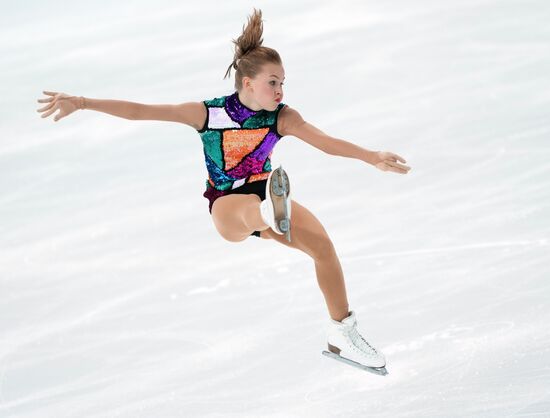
275	209
347	345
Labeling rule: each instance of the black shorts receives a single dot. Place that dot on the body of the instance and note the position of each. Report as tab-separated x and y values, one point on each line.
256	187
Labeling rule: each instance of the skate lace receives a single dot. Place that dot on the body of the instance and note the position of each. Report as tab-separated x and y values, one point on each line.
359	343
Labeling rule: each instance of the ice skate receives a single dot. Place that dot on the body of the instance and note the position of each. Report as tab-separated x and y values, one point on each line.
347	345
275	209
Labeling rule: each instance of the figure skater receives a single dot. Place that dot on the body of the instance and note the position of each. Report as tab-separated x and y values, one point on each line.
246	197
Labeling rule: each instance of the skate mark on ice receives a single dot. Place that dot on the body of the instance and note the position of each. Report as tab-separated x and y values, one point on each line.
475	246
209	289
454	332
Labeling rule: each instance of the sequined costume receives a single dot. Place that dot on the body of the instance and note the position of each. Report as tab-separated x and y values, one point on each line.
237	144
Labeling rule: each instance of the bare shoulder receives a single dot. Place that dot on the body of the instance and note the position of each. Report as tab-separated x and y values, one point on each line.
289	120
192	114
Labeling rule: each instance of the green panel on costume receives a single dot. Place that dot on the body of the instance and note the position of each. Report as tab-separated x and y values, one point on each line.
259	120
225	186
212	144
218	101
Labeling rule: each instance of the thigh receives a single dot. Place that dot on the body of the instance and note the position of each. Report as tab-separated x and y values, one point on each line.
228	208
227	215
306	232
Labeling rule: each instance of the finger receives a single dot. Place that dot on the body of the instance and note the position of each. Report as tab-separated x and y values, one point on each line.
402	166
48	106
49	112
397	157
396	164
398	168
60	115
403	169
49	93
49	99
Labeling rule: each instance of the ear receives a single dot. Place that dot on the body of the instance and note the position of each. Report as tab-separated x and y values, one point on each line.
247	83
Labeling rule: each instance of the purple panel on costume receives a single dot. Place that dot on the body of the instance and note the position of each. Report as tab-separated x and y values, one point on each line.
212	194
253	163
262	152
236	109
247	167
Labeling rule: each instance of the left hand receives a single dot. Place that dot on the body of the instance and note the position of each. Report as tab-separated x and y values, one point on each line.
387	161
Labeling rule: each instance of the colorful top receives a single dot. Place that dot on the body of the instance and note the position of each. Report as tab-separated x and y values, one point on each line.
237	143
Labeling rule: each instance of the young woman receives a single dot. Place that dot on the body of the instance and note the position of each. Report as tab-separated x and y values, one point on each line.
246	197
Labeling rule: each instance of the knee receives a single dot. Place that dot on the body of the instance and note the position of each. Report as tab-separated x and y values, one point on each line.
232	237
226	233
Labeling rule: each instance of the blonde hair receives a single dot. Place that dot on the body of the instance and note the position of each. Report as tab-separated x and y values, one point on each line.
250	55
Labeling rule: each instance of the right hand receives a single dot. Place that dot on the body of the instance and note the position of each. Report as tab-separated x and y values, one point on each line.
65	103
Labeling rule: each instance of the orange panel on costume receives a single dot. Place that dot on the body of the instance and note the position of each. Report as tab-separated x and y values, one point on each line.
239	143
257	177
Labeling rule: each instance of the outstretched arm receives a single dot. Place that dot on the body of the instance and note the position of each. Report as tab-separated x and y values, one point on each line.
190	113
293	124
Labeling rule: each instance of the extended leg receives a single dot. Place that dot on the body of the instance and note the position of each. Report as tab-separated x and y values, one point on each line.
309	236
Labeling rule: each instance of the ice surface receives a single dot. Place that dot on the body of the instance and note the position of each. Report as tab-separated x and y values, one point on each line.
118	298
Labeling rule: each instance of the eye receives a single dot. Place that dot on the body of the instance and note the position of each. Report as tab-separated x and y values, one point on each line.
273	81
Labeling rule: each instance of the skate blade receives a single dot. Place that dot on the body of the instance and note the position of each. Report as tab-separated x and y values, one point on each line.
287	235
286	188
280	186
284	226
376	370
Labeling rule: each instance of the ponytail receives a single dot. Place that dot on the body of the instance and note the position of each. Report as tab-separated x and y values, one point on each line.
249	54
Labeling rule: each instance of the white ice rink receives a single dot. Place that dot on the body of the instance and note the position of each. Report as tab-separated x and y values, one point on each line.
118	298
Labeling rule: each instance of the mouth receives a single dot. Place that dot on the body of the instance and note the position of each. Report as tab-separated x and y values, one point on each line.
278	100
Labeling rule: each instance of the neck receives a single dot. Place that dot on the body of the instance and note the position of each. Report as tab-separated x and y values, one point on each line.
245	100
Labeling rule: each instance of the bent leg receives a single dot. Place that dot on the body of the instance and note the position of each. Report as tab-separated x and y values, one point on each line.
309	236
236	216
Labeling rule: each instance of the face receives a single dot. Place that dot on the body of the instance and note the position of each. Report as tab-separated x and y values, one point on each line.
267	88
